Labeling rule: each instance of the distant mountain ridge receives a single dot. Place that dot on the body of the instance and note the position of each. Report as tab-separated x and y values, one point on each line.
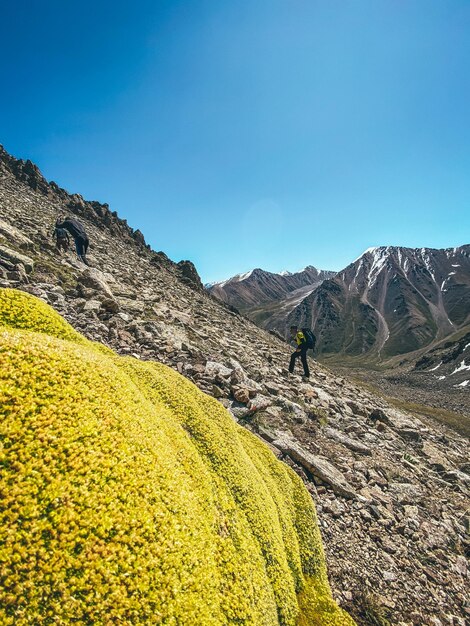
390	301
261	294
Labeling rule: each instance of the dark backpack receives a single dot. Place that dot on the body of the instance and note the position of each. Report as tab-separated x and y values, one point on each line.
310	338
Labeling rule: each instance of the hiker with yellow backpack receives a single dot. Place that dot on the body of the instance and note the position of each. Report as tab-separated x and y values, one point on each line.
305	341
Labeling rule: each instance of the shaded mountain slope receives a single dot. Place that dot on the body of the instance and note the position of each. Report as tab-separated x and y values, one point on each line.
389	302
266	296
391	488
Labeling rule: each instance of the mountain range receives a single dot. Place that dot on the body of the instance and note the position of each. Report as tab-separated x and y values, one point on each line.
389	302
266	297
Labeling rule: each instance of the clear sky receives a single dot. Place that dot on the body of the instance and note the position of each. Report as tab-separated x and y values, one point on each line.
249	133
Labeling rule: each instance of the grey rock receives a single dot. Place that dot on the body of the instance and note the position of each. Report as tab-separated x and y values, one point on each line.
409	434
259	403
406	493
214	369
316	466
14	235
17	258
352	444
94	279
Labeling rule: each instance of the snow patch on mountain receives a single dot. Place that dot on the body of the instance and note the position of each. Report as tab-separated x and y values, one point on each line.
379	260
233	279
461	368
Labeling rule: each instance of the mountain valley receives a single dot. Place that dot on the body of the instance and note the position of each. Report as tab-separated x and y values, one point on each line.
386	316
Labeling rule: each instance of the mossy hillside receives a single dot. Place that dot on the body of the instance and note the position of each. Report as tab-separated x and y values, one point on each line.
128	496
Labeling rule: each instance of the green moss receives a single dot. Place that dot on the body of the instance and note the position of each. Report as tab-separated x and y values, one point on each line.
128	496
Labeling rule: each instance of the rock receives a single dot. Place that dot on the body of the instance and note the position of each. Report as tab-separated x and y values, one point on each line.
436	458
357	409
14	235
379	415
409	434
411	511
17	259
259	403
94	279
268	434
272	388
217	392
134	306
238	376
241	394
460	565
406	493
110	304
454	476
316	466
213	369
239	412
334	508
92	305
322	395
125	317
352	444
294	409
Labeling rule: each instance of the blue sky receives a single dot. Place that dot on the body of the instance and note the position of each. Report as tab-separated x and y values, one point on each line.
253	133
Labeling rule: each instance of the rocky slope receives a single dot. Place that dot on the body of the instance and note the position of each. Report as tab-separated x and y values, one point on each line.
110	458
391	489
265	297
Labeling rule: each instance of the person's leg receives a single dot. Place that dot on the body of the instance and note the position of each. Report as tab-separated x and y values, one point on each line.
86	243
79	247
294	355
303	356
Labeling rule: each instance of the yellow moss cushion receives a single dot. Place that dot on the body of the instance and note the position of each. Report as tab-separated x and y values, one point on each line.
127	496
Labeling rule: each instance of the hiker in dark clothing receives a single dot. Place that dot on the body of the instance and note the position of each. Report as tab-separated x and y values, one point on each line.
302	347
77	231
62	239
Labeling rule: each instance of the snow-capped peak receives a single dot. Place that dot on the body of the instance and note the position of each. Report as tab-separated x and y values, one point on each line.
368	251
244	276
234	279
